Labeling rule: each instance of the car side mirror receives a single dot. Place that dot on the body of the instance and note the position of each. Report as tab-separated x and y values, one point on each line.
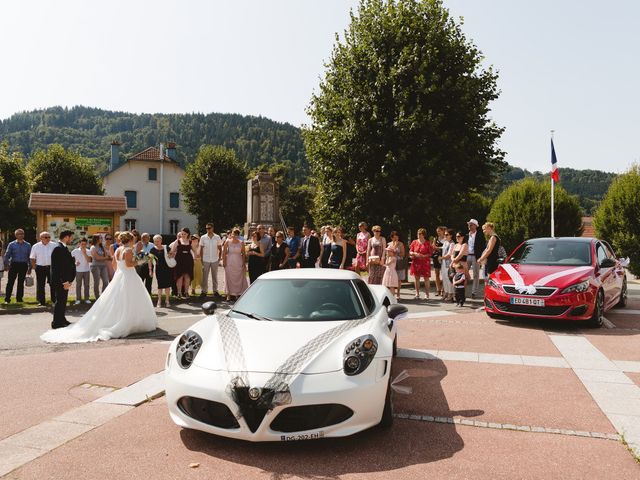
209	308
608	263
397	311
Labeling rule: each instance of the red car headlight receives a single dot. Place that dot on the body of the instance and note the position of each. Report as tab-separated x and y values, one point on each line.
577	288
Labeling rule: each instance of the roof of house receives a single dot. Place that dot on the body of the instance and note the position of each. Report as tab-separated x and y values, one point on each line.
151	154
60	202
587	227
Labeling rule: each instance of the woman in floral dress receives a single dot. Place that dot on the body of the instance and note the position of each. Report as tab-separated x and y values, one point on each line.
420	252
376	256
362	243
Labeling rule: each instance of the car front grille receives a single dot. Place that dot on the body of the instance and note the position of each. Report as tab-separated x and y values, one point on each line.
530	310
310	417
205	411
540	291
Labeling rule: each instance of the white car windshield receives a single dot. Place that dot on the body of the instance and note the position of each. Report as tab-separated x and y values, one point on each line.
553	252
299	300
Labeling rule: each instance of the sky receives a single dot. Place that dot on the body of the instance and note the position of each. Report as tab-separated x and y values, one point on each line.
571	66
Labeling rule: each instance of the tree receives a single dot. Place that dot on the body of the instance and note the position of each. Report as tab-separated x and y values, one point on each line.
214	187
400	128
57	170
617	220
523	211
14	191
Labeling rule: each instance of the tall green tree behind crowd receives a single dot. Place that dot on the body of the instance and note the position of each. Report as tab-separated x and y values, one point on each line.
57	170
14	191
400	127
214	187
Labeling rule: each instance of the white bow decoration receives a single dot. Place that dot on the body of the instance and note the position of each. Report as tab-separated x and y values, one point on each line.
624	262
405	390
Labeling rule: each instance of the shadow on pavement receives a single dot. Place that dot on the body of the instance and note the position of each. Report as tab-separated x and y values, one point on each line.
407	442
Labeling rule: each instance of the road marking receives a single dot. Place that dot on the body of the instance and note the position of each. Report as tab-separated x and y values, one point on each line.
193	315
607	323
434	313
146	389
503	359
618	399
507	426
27	445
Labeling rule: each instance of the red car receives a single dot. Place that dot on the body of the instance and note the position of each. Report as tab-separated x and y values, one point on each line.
564	278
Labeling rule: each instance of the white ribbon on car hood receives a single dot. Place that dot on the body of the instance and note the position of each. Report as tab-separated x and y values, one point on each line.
520	286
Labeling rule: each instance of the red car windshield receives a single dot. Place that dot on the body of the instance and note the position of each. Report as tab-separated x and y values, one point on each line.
553	252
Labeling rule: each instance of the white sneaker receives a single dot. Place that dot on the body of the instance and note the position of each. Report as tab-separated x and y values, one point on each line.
88	302
77	302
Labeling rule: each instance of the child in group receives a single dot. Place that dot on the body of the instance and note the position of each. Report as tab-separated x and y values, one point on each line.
390	278
459	283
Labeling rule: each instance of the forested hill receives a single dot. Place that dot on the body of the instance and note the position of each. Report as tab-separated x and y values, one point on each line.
257	140
90	131
589	185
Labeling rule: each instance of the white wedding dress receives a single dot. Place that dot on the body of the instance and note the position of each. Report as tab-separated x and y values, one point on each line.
123	308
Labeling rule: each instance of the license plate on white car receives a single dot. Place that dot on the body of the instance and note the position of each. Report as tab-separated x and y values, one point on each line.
534	302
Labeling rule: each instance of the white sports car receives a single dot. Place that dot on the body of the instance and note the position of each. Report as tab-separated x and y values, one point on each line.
303	354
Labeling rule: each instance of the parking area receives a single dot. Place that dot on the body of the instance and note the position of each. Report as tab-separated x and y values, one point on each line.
490	399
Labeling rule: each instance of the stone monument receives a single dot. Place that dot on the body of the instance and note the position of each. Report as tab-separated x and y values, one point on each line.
262	203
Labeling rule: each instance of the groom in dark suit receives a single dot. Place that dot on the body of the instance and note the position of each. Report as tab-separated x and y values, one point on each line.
310	249
63	273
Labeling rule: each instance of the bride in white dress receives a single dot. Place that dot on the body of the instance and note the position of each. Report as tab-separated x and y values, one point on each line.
123	308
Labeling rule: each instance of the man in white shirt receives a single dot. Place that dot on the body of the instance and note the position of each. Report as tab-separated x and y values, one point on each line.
82	259
40	257
210	251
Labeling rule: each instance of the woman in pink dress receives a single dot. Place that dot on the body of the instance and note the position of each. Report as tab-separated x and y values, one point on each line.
376	256
362	243
234	260
420	252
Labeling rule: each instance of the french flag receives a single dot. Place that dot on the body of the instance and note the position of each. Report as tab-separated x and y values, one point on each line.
555	174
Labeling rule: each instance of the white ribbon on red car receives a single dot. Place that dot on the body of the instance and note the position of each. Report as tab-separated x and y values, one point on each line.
520	286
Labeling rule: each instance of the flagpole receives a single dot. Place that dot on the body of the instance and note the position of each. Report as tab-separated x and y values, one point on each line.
552	201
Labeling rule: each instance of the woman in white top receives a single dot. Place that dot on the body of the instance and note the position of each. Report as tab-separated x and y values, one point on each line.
123	308
447	251
83	261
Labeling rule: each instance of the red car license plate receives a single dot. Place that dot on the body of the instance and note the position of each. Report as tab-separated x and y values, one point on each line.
534	302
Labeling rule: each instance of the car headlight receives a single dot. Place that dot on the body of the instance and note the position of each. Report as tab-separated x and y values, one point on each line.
577	288
187	348
358	354
492	284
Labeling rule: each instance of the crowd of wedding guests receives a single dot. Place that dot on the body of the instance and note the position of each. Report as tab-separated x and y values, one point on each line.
191	262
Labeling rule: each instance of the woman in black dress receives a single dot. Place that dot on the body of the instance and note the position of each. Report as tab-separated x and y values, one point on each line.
279	253
256	257
490	254
164	274
338	255
183	270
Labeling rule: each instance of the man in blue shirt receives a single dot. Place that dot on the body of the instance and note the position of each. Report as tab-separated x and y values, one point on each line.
293	242
17	255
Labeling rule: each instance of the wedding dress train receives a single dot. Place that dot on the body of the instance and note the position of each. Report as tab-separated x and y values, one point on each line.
123	308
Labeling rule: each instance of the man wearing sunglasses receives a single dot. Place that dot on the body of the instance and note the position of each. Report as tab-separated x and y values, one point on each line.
41	262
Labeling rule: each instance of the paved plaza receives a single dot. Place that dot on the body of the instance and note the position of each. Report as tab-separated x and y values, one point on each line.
490	399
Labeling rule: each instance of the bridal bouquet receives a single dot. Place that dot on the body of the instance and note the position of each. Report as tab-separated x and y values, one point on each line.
144	259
